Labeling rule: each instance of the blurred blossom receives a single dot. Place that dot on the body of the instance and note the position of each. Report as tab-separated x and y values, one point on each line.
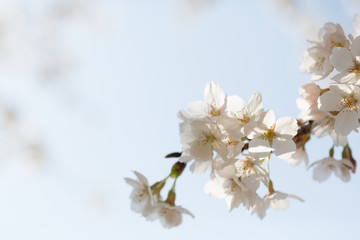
20	146
297	15
33	39
192	7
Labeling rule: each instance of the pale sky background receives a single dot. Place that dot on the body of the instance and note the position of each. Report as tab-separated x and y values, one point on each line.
123	69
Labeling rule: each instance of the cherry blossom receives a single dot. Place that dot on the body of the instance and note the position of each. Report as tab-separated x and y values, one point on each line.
200	139
342	102
235	140
346	62
316	60
141	196
169	216
323	168
279	200
274	137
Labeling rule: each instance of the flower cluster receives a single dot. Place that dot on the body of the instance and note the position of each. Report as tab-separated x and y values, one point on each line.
233	140
334	109
147	200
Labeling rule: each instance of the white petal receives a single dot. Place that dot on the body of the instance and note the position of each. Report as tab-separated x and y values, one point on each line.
235	104
199	167
286	127
259	147
284	149
215	188
185	211
196	109
355	47
232	201
329	101
341	59
201	151
346	121
133	183
343	90
254	104
343	173
141	178
214	95
269	119
356	22
320	173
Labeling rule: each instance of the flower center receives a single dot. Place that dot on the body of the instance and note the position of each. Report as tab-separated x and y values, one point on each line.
336	44
230	186
319	63
348	104
206	138
356	68
246	167
269	134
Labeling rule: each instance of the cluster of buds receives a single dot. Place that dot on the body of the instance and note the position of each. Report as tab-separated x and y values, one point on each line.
233	141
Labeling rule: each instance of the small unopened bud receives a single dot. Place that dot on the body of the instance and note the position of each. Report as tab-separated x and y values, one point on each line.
331	152
173	155
271	188
346	153
177	169
171	198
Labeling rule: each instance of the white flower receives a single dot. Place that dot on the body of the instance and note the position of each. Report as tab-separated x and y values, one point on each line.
332	35
200	138
347	63
342	102
323	168
169	216
141	196
316	60
213	105
238	191
244	116
274	136
251	166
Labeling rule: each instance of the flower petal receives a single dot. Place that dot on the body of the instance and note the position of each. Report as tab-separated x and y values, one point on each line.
255	104
341	59
286	127
329	102
346	121
284	149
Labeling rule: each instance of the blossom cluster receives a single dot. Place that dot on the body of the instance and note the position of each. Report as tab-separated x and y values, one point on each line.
234	141
334	109
147	200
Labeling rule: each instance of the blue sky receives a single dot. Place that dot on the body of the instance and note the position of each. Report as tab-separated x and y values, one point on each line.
116	112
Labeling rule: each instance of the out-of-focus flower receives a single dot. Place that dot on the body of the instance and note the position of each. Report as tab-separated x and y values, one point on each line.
279	200
141	196
316	60
169	216
323	168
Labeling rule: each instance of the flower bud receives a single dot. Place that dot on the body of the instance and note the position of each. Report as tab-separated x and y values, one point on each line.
177	169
